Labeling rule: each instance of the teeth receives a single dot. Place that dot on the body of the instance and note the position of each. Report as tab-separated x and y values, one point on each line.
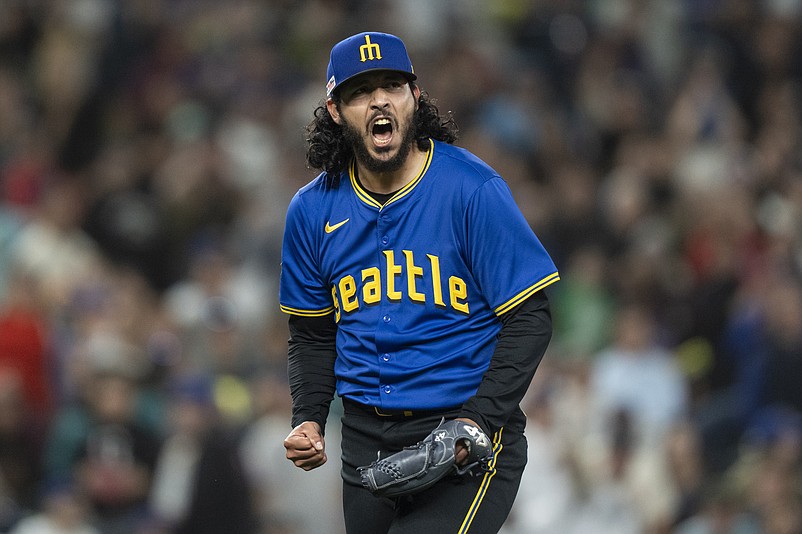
383	121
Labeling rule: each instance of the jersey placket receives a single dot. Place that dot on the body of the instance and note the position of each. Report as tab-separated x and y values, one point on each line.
386	235
385	325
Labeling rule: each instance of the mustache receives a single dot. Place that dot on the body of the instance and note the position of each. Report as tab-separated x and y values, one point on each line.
378	114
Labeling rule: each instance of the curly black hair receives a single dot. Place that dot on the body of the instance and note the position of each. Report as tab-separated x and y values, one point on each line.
329	151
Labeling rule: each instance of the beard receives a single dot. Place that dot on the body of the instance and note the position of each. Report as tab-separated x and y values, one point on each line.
356	140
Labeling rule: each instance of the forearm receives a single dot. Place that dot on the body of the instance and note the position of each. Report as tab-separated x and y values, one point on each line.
522	341
311	356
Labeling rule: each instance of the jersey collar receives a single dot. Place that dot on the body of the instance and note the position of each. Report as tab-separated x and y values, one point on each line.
365	197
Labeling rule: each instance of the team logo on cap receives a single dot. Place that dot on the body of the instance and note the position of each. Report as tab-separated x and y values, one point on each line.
330	85
366	51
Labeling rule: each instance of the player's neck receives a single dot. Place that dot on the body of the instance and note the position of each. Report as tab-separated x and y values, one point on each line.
387	182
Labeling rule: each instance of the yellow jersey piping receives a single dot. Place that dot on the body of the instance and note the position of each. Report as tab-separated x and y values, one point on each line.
365	197
307	313
526	293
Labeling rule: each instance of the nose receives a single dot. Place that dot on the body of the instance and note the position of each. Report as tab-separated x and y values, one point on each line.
379	98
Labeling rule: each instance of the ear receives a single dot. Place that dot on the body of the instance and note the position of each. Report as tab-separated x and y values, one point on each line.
333	111
416	94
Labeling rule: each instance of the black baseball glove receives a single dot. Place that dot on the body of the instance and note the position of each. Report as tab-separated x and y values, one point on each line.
417	468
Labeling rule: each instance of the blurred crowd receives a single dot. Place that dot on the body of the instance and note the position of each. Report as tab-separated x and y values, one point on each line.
148	149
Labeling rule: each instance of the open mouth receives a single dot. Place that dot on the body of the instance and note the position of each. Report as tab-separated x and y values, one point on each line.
382	131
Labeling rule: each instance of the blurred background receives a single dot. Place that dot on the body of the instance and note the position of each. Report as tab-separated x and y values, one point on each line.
148	150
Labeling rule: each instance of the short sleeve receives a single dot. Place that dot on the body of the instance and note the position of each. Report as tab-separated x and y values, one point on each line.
508	260
302	291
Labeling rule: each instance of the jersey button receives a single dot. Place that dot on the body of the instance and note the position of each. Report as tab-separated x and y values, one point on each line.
385	240
387	389
386	318
385	357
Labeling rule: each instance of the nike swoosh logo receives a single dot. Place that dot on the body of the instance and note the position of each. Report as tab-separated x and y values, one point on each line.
330	228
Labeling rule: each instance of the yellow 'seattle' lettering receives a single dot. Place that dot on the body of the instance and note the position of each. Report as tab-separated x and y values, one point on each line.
336	304
459	292
372	288
413	272
393	270
437	286
424	283
366	51
348	293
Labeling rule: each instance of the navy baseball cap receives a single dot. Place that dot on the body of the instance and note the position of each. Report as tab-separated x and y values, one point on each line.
364	52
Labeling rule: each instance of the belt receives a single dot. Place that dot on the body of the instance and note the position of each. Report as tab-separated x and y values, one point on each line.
356	407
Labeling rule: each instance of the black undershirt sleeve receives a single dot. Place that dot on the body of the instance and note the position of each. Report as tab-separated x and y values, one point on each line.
525	334
310	367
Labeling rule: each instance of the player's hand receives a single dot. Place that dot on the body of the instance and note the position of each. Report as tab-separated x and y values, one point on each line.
461	452
305	446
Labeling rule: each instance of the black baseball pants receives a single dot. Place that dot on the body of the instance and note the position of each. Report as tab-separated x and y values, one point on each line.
457	504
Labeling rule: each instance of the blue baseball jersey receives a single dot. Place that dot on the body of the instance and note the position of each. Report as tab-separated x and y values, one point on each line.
416	285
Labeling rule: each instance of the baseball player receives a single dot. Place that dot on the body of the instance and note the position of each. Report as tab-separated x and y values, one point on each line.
414	288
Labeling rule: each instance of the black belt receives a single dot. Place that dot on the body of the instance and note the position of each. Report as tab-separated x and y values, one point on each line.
356	407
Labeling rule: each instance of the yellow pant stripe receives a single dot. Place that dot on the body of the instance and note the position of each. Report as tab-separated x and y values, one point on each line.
477	500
